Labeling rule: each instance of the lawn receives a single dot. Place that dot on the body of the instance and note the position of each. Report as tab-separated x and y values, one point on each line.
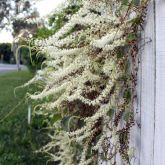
18	140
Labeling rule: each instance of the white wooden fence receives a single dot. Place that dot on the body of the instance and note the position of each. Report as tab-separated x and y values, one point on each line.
149	140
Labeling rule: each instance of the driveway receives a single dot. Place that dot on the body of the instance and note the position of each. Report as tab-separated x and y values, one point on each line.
10	67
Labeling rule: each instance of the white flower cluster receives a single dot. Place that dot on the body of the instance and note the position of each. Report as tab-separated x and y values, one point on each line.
37	20
108	38
61	141
83	73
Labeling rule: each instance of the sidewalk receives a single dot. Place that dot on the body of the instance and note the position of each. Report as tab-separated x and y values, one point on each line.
10	67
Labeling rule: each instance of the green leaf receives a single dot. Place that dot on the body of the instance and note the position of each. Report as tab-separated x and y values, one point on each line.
127	94
120	53
131	37
127	115
57	117
125	2
111	113
64	112
136	2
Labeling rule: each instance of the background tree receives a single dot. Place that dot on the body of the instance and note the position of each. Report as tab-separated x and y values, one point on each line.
5	50
12	9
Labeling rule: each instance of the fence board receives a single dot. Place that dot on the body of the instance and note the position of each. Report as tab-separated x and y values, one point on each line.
159	145
148	91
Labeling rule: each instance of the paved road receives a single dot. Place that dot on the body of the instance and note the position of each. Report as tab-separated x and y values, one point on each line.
9	68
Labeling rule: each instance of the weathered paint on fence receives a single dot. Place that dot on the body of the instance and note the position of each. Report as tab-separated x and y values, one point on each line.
149	139
159	138
148	85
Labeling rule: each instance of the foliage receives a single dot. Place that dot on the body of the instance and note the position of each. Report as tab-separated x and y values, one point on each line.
19	25
5	50
29	58
43	32
18	140
10	9
89	82
56	21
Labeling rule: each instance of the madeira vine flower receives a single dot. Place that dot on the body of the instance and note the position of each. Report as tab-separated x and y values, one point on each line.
87	80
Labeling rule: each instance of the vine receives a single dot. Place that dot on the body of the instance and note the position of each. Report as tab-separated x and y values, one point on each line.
89	82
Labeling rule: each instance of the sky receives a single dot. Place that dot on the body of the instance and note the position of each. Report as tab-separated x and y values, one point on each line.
46	6
43	6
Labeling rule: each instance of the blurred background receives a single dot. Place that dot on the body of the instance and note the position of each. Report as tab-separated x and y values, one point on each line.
15	30
21	22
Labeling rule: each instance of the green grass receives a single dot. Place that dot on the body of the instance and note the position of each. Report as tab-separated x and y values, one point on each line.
18	140
8	82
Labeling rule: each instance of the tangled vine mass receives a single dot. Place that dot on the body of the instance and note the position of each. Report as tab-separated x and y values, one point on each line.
88	80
